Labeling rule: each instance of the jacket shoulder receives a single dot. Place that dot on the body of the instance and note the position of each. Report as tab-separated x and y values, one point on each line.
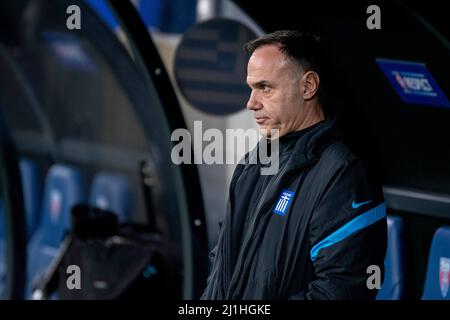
338	165
336	155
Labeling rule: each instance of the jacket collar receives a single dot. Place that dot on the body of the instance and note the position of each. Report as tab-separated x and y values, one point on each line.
309	146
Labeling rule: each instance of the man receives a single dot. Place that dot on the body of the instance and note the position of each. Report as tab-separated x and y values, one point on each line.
311	230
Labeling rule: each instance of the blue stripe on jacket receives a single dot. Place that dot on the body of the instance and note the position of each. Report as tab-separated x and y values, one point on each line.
364	220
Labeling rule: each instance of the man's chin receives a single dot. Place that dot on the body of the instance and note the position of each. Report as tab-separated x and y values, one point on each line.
269	132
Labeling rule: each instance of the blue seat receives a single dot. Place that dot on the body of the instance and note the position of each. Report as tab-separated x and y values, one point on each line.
63	190
437	280
173	16
31	186
395	282
32	194
111	191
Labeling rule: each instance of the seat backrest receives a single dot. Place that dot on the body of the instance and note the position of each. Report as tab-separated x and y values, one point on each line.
32	194
111	191
173	16
437	280
394	285
63	189
31	186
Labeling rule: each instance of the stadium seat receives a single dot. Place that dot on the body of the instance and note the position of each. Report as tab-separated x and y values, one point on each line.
111	191
172	16
31	196
437	279
31	186
63	190
394	285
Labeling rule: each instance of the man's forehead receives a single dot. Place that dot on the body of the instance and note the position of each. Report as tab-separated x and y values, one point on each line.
268	55
267	63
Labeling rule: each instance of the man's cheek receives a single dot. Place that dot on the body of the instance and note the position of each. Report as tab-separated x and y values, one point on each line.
269	109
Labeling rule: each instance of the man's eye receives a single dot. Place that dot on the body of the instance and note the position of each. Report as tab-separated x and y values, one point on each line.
266	89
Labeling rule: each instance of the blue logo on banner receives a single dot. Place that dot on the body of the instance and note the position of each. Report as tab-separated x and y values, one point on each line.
413	82
283	203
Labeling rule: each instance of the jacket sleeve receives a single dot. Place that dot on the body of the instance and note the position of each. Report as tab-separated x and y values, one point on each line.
347	235
212	257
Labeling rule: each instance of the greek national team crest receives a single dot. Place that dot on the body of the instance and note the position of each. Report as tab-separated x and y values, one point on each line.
444	275
283	203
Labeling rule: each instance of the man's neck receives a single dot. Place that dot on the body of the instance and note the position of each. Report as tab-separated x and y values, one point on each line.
314	114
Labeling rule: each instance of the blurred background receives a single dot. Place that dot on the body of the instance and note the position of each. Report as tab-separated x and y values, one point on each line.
86	117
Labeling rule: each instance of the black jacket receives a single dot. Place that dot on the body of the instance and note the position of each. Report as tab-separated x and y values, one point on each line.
308	232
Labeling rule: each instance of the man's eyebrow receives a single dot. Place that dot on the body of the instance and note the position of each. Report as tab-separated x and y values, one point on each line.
260	84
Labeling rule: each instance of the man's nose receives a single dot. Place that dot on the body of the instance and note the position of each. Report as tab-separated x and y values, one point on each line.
253	102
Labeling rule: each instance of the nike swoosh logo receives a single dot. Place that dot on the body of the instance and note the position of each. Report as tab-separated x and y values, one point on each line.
356	205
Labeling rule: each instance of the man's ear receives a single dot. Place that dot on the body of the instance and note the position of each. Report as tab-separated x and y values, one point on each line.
311	82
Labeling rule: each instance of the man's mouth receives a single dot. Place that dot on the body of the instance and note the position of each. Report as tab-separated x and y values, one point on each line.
260	120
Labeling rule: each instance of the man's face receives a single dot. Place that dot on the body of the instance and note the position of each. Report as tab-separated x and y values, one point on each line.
276	99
